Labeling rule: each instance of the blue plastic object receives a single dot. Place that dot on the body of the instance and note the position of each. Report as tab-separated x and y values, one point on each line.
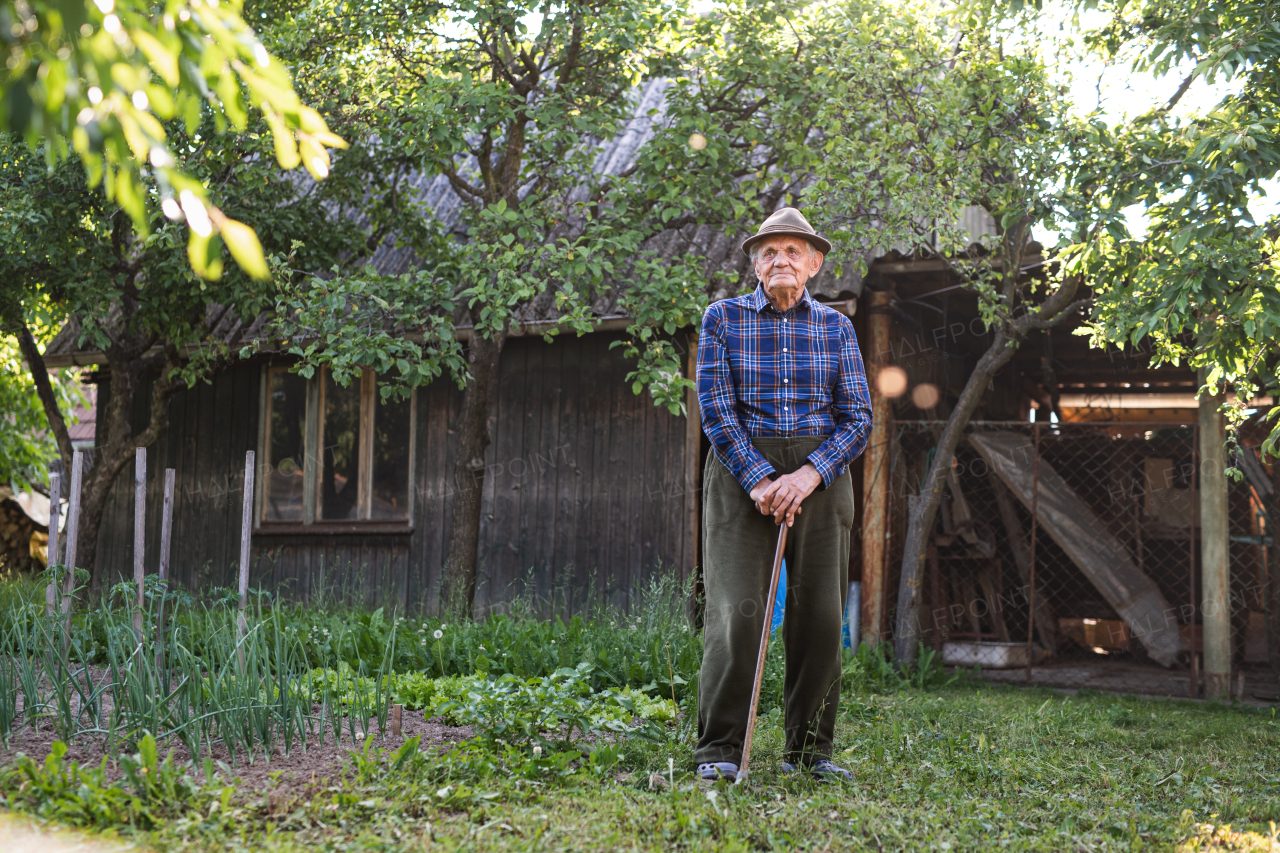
851	610
780	606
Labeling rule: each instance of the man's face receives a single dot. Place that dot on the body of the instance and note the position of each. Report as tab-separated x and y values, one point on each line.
785	263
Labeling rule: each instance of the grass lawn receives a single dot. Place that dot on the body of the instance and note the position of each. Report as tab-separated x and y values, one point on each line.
962	768
554	734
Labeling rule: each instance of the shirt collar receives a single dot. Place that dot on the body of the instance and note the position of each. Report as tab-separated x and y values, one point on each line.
760	302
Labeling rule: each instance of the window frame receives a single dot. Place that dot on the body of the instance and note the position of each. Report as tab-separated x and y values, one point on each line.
313	436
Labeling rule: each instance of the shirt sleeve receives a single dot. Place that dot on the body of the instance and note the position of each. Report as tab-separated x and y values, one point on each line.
718	403
851	409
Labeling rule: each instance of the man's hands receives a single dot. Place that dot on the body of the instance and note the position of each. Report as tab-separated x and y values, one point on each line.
782	497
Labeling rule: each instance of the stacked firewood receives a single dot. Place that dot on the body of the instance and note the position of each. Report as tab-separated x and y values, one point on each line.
16	532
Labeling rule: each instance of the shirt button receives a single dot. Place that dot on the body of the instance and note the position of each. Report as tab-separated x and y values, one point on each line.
784	382
786	408
784	349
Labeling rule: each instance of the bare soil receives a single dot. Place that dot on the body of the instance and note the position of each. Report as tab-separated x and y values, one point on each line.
301	767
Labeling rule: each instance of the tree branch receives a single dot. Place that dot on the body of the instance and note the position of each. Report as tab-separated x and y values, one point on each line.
44	388
1182	90
463	187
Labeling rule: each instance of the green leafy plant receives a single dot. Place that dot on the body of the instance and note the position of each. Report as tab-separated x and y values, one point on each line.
554	712
150	791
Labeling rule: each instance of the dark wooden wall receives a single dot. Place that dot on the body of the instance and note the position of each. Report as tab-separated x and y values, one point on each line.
586	488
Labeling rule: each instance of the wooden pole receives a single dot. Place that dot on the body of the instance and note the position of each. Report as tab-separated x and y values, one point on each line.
1215	593
139	535
368	406
397	714
166	539
246	534
692	458
1273	563
935	597
770	599
1031	594
875	470
55	509
73	534
1191	561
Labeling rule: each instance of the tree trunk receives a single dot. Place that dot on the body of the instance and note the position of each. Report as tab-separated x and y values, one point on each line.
468	473
921	516
44	390
116	449
1019	320
117	443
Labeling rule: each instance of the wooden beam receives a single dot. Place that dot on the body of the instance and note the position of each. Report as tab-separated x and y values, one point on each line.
932	265
692	454
139	535
166	541
364	471
312	453
88	358
1215	556
875	470
51	558
73	538
246	536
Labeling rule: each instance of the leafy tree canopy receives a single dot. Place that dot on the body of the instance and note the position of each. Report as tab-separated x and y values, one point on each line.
1200	285
108	80
513	105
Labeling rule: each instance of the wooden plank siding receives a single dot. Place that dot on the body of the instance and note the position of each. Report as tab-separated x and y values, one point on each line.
585	490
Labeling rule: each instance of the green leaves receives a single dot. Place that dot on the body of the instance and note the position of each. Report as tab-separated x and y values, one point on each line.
398	325
1200	285
100	79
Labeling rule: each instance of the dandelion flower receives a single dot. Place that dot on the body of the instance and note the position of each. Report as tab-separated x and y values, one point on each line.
537	750
438	634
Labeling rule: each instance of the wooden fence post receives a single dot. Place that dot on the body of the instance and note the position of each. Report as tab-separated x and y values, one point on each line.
1031	583
55	510
139	534
166	538
73	533
1215	548
246	533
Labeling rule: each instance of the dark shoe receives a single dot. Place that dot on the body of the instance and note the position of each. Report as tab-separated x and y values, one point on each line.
823	770
717	770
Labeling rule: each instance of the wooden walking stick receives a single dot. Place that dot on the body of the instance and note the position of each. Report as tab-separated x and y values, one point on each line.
764	650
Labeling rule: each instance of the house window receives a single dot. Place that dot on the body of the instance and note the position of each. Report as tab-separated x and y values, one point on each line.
283	483
334	455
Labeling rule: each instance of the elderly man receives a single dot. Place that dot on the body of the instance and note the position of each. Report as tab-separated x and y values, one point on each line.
785	404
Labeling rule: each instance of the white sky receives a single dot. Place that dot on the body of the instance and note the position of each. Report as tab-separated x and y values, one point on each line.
1116	93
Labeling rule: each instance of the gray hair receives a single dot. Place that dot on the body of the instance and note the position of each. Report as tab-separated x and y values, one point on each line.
755	250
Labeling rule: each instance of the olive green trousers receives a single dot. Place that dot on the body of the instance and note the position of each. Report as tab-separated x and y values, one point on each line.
737	556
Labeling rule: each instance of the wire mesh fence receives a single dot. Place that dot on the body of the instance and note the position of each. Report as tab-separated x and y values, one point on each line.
1070	555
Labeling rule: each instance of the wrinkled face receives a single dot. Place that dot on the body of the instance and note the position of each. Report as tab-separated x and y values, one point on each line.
783	264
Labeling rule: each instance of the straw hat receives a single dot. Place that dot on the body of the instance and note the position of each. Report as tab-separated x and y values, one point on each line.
790	221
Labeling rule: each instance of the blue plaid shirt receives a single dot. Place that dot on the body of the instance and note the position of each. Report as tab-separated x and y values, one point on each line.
762	373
